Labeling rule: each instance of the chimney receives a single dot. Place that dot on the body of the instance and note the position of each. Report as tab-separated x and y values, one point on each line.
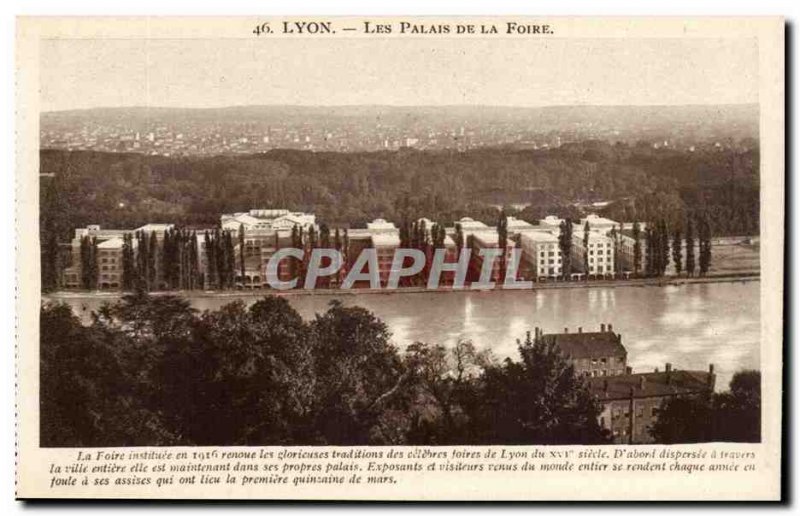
655	370
602	327
710	368
610	328
566	330
668	369
628	370
641	383
580	329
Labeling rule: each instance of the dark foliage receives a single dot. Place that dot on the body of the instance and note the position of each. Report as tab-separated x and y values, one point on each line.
150	370
732	416
346	190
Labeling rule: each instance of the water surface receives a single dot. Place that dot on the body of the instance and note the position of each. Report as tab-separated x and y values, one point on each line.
688	325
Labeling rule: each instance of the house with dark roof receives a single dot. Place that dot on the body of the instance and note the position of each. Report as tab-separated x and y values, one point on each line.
631	401
593	354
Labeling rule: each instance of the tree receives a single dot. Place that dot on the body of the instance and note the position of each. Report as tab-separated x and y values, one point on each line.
737	415
88	252
565	246
151	261
586	258
689	247
502	242
663	259
459	240
705	244
358	373
731	416
248	367
89	391
446	383
637	248
538	400
128	262
211	258
652	252
241	254
677	254
683	419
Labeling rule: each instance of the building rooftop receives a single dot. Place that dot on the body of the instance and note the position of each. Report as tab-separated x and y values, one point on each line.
158	228
587	344
517	224
597	220
551	220
488	237
594	236
470	223
540	236
267	219
656	384
381	225
111	243
386	240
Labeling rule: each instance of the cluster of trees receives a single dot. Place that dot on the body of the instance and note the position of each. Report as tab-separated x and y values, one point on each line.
180	259
150	370
348	189
139	261
732	416
655	246
663	245
153	371
417	235
309	240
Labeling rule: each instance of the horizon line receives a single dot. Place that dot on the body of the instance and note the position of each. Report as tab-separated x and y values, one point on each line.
400	106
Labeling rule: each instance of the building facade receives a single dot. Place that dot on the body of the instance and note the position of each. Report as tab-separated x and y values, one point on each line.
592	354
630	402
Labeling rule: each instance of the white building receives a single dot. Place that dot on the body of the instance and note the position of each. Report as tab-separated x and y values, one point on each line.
267	219
598	258
541	254
598	223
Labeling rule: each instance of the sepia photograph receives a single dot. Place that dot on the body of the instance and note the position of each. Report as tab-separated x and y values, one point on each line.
369	233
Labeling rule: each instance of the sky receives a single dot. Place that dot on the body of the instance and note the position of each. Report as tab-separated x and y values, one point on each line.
76	74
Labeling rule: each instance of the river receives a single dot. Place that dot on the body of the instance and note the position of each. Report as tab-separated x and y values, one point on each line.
688	325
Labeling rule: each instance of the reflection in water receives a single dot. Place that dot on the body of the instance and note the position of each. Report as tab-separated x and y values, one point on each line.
688	325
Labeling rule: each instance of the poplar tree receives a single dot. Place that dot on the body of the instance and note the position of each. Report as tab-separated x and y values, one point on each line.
241	253
650	241
637	248
151	262
586	248
705	244
663	259
230	259
565	246
459	237
677	257
502	242
128	267
690	247
211	260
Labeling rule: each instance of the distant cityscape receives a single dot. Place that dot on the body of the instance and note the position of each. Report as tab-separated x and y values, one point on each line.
247	130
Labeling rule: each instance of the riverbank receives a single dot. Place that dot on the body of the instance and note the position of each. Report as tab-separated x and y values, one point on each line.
548	285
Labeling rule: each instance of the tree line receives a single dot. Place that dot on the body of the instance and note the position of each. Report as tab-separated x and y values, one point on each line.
153	371
349	189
